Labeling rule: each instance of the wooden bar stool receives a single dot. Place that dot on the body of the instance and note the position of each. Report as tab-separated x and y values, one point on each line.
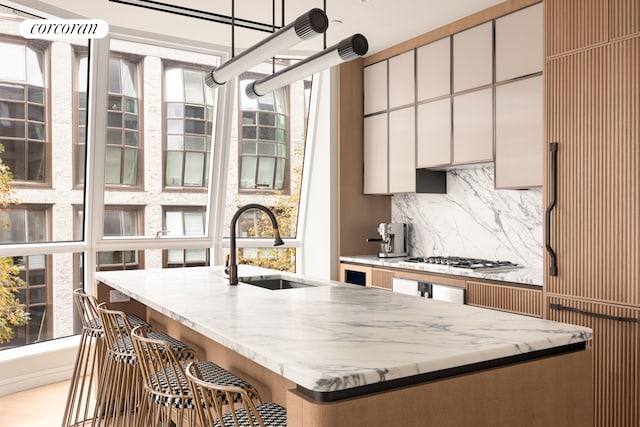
120	384
168	399
80	399
212	399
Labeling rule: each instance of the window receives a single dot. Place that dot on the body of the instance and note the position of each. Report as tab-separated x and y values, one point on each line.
185	221
189	111
121	221
80	139
264	148
23	110
24	224
123	153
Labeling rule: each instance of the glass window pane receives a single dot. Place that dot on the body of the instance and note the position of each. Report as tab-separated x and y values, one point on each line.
282	121
267	119
13	157
267	133
248	117
265	102
174	110
193	169
35	67
175	126
36	159
175	142
194	143
112	222
280	174
115	102
282	150
36	225
130	223
114	76
129	79
281	135
173	223
194	126
174	256
193	87
106	258
81	77
114	137
14	69
266	168
12	129
36	131
113	162
131	105
195	255
114	120
130	172
130	121
266	149
11	110
37	261
173	85
173	174
194	111
248	174
36	95
249	132
210	95
193	224
12	92
131	138
249	148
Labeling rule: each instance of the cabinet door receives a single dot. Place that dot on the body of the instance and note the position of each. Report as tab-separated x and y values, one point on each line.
375	154
473	57
375	87
402	148
433	69
505	298
519	134
616	365
473	127
519	43
402	87
434	133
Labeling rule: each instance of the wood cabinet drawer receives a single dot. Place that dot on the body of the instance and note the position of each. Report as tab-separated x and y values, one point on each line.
505	298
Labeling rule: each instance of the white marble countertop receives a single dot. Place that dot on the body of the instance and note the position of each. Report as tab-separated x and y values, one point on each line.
336	336
525	275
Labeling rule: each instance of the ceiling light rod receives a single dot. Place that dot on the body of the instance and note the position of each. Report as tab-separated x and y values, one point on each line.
346	50
198	14
306	26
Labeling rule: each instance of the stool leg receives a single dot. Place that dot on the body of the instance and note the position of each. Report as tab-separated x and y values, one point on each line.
79	398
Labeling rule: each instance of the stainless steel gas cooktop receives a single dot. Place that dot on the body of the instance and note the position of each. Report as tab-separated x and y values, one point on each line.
474	264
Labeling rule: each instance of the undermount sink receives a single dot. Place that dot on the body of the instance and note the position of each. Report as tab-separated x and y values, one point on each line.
275	282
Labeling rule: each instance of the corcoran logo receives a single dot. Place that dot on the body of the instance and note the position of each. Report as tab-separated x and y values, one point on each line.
64	29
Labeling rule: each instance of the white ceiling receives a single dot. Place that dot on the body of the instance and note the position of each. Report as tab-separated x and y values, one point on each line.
384	22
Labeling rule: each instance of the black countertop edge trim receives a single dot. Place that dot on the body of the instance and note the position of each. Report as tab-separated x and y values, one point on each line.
332	396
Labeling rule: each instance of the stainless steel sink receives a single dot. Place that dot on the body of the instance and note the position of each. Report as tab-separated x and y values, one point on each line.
276	282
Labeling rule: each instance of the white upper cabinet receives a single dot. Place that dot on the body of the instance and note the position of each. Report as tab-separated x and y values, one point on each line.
402	148
402	85
519	43
473	127
473	57
375	88
434	133
433	69
519	133
376	164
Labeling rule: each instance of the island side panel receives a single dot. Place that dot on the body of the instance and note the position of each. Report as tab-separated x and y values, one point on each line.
553	391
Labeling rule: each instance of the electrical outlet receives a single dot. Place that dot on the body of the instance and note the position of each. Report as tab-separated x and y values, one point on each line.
117	296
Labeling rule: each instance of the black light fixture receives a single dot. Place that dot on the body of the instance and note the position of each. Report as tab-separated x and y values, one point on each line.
306	26
346	50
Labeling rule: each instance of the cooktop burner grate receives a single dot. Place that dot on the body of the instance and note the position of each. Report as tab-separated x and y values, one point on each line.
475	264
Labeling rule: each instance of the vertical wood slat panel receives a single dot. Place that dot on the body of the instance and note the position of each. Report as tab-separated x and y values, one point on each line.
616	369
505	298
381	278
625	18
592	110
574	24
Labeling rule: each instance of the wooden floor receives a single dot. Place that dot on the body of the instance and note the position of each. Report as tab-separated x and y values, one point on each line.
37	407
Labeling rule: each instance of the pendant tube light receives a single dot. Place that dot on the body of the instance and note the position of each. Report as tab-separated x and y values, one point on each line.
306	26
346	50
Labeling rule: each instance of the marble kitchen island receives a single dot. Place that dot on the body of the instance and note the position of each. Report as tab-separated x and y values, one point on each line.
345	355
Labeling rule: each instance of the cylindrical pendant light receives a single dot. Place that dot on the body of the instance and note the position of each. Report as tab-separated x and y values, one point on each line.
306	26
346	50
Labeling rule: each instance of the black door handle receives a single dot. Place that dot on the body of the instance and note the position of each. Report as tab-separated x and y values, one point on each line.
553	266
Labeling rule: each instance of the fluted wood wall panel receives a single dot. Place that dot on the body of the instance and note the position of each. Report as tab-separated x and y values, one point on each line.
616	368
505	298
575	24
625	18
381	278
593	112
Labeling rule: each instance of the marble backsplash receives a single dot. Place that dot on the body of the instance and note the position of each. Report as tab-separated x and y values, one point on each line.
474	220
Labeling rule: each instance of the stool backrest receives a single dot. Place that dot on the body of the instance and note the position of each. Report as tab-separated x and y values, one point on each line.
87	307
211	400
117	334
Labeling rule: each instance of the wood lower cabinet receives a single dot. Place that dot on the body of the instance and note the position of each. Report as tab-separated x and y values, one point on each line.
368	276
616	354
505	298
